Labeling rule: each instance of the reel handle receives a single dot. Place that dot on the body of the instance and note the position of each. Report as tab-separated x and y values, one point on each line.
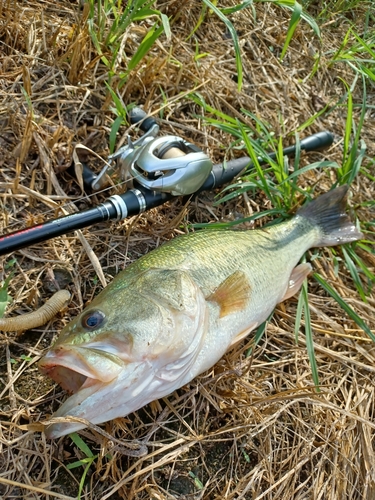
137	115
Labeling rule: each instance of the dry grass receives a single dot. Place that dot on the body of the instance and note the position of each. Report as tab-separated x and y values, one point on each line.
251	427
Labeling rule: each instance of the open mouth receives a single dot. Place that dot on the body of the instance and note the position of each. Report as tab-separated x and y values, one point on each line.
67	378
76	368
96	401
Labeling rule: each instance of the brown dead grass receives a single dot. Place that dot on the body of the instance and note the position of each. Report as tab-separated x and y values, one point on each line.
251	427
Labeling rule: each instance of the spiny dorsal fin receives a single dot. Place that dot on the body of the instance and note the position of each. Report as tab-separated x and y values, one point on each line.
232	294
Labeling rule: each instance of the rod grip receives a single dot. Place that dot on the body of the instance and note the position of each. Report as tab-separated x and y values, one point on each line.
317	142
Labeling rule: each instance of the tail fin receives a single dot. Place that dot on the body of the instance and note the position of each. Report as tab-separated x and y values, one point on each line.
328	212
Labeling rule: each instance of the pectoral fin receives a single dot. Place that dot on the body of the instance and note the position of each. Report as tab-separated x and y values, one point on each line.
296	279
232	294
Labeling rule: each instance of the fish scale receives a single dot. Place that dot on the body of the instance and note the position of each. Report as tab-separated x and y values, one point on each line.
174	312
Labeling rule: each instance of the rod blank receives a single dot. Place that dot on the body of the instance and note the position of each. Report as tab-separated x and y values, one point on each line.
139	199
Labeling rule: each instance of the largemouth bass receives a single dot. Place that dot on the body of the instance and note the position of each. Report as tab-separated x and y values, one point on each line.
174	312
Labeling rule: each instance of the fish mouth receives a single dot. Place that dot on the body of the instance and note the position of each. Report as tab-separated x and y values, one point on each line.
96	401
75	368
83	372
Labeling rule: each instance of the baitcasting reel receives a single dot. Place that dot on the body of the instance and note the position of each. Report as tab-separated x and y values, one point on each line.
166	164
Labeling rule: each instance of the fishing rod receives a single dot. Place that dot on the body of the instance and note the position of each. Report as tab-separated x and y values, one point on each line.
160	168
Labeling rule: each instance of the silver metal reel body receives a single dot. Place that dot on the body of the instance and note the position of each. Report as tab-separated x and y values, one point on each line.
167	164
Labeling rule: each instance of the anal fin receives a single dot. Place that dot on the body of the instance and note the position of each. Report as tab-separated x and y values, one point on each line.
296	279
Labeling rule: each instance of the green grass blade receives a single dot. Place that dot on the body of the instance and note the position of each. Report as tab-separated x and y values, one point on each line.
363	109
94	36
234	36
356	158
299	314
145	46
199	99
113	135
258	335
353	154
366	271
357	163
348	127
281	172
78	441
311	22
86	462
82	481
354	274
297	155
80	463
227	11
294	20
297	158
120	107
257	167
313	166
367	48
290	4
146	13
327	110
263	128
200	20
4	297
166	26
309	335
109	20
341	302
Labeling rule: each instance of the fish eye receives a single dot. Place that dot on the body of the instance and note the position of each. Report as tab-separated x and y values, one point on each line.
92	319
